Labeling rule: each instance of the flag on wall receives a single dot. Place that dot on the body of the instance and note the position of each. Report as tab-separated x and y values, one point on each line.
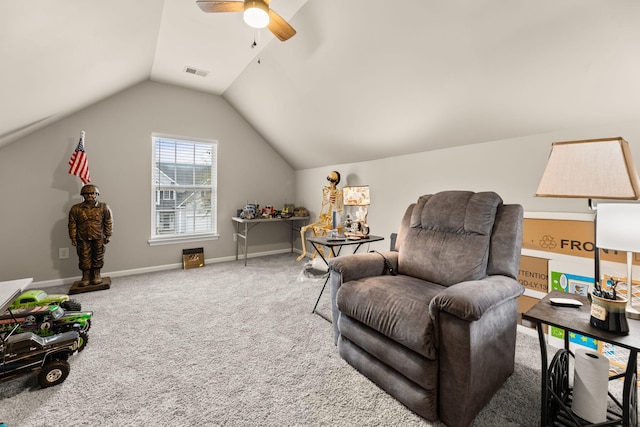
78	164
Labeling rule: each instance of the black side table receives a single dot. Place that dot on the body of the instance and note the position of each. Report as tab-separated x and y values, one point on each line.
556	393
332	243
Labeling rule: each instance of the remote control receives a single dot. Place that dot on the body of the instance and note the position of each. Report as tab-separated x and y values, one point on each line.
565	302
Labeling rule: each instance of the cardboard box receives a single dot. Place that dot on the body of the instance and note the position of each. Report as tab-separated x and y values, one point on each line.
559	236
192	258
533	273
566	237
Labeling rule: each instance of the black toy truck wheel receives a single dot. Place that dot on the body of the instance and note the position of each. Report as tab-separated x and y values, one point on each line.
71	305
53	373
82	342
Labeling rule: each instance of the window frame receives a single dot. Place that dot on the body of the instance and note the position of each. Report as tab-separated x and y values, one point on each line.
157	194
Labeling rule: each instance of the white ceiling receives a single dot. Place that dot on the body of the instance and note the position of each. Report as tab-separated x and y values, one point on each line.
362	79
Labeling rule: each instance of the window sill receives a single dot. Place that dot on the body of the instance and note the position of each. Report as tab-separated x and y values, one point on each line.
170	240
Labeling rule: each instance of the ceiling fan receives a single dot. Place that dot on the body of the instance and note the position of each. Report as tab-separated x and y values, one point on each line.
257	14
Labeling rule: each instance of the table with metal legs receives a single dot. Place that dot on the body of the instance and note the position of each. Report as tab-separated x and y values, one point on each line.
318	241
556	392
248	224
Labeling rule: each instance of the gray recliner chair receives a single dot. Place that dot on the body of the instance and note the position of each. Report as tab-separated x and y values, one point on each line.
433	322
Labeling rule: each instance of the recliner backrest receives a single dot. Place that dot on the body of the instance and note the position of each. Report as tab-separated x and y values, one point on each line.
446	238
506	242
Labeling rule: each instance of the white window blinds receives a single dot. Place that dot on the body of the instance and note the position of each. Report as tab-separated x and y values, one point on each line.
184	189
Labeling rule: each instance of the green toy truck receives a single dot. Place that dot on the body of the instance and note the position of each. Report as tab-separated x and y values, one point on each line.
37	297
46	321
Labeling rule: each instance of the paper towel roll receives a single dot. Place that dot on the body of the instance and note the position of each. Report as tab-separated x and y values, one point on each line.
590	386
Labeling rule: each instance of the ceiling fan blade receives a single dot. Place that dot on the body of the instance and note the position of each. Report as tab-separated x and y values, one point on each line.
279	27
220	6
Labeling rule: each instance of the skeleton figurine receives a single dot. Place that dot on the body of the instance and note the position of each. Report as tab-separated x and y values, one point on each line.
331	202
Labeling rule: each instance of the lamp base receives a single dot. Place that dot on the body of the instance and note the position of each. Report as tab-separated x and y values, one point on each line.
609	315
356	236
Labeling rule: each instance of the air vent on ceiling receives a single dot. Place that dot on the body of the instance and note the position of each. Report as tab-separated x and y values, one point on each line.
195	71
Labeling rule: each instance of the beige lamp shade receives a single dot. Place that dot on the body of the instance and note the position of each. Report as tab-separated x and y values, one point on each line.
357	195
593	169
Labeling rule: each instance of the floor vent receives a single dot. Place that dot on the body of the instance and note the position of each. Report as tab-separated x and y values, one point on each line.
195	71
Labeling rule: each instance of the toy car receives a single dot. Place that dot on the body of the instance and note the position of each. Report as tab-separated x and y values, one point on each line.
47	321
24	353
36	297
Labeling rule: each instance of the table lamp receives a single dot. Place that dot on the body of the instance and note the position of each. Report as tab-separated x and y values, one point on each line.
358	195
619	229
591	169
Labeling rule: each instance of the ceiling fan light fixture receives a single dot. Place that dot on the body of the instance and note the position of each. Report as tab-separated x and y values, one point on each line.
256	13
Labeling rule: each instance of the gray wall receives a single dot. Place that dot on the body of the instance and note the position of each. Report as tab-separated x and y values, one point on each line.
512	168
37	192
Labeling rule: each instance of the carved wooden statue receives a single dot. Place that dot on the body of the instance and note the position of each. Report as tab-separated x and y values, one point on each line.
331	202
90	227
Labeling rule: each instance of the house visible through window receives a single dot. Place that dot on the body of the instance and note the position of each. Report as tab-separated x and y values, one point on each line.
165	195
184	189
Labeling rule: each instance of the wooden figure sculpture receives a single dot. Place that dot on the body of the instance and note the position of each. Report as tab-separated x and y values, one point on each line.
331	202
90	226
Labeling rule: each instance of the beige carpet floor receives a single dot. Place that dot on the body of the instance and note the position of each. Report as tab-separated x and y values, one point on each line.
228	345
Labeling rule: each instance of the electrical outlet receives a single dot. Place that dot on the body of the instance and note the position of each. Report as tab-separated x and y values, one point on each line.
63	253
235	237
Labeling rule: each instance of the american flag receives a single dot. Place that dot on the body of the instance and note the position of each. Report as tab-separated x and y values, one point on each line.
78	164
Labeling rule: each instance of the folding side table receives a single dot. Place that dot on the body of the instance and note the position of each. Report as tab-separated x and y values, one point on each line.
332	243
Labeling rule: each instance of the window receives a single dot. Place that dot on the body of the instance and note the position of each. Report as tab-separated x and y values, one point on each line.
184	190
163	195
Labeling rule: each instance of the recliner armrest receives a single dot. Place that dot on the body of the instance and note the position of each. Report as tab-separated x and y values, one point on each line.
470	300
358	266
346	268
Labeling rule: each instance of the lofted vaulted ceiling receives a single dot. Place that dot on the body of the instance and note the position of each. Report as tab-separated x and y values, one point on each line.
361	80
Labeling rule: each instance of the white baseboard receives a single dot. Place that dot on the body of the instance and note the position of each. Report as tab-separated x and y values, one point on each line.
178	265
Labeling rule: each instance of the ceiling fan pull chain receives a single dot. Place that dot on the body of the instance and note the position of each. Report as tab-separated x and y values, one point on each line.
256	40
